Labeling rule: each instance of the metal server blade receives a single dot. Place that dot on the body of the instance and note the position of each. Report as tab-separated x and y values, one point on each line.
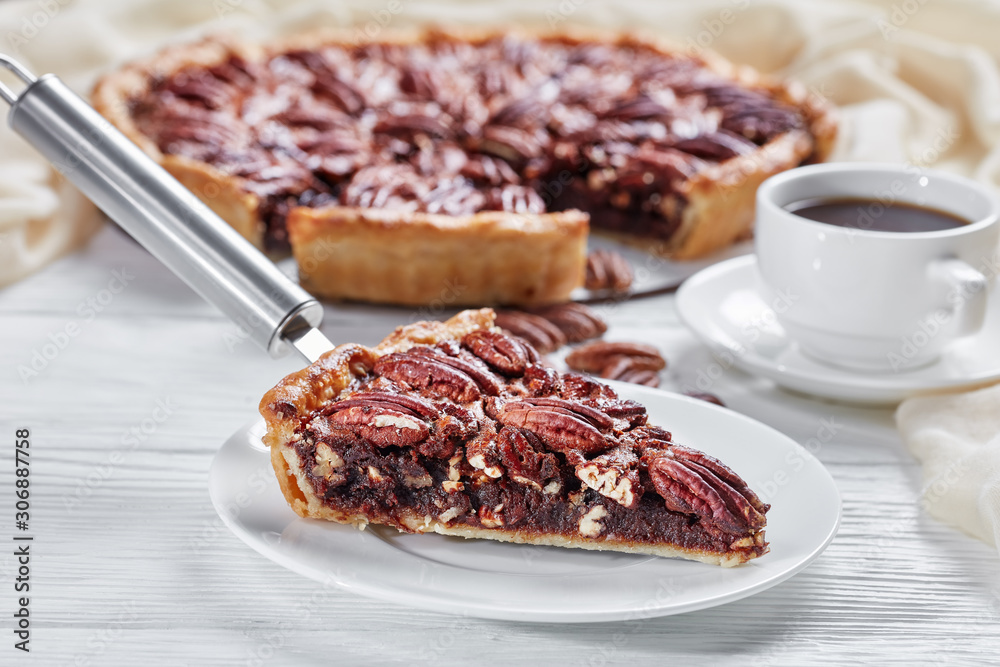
163	216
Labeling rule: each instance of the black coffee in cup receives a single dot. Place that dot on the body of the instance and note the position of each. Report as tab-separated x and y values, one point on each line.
873	215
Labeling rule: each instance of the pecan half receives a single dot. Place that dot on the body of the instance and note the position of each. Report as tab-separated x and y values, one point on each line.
721	470
560	429
760	123
378	399
630	369
522	112
428	374
594	416
204	90
577	321
691	488
718	146
644	377
538	331
608	270
474	368
327	83
382	426
397	186
596	357
504	354
510	143
638	108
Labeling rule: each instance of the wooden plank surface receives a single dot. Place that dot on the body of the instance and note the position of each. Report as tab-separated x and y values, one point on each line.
131	565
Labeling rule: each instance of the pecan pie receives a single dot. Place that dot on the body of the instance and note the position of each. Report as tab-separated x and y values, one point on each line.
456	428
395	168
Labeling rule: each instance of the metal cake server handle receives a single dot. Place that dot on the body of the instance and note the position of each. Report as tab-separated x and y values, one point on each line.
163	215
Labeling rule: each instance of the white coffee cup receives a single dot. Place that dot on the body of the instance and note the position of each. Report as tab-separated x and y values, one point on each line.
876	300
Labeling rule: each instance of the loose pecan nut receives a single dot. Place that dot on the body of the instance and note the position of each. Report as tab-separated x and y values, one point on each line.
577	321
596	357
608	270
630	369
538	331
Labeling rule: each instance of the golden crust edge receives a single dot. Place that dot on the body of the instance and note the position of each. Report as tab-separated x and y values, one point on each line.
322	240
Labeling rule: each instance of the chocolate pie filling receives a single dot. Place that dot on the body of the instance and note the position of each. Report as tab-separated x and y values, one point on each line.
478	433
456	127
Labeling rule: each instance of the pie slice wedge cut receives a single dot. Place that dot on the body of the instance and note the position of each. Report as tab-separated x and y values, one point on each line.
456	428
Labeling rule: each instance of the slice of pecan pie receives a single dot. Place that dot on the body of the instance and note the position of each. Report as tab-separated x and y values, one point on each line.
463	166
458	429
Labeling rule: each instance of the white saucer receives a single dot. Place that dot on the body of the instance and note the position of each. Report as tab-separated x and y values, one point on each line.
497	580
723	308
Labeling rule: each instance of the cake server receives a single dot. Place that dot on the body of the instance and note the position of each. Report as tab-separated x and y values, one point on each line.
163	215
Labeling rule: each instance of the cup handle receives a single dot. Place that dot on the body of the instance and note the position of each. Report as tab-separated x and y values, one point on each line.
967	293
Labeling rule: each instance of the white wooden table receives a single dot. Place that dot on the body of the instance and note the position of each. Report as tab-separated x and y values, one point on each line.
131	566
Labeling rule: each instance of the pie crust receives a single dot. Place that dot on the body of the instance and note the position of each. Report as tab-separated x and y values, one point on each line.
717	199
438	260
362	475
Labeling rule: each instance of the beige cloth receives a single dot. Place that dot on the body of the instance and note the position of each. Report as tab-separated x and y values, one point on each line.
957	438
918	80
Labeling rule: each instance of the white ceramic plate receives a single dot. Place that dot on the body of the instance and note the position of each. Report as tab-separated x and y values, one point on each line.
723	308
489	579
